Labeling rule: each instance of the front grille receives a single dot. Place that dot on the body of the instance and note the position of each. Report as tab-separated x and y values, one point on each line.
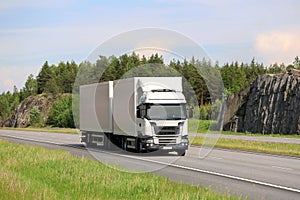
166	130
167	140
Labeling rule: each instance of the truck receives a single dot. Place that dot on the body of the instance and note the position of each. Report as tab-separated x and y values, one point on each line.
139	114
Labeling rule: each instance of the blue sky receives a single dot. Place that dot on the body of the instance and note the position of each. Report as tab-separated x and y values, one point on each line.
32	32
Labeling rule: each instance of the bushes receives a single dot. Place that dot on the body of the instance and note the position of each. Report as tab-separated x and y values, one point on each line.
35	117
208	111
202	126
60	114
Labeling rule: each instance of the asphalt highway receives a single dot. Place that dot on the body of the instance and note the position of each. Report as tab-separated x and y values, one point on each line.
240	173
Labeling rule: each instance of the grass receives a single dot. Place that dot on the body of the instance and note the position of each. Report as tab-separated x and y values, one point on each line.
255	146
199	126
45	129
202	126
260	134
28	172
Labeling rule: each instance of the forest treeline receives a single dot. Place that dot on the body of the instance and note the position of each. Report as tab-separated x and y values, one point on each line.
60	78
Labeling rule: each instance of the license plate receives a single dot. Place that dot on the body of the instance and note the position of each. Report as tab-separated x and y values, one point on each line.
167	148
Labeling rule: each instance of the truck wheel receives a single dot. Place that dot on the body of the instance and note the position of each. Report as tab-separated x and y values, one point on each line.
89	140
181	153
124	143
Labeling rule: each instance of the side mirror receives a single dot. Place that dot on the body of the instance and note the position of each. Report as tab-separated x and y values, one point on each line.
141	111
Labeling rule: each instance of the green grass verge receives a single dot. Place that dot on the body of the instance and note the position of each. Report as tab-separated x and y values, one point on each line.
54	130
28	172
201	126
255	146
198	126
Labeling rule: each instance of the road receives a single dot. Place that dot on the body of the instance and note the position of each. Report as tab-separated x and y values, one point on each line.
252	175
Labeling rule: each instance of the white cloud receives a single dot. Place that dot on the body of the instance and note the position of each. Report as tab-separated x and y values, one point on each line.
42	38
36	44
23	51
160	42
11	76
278	42
278	46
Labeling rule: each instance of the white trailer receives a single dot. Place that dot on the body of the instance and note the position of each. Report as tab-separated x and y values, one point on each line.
140	113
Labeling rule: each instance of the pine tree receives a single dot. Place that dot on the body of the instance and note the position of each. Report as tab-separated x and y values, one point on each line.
43	77
31	86
297	63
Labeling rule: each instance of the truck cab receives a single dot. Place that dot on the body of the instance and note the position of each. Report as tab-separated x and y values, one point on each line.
162	120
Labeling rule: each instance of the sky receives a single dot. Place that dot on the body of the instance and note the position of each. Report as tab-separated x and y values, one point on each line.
32	32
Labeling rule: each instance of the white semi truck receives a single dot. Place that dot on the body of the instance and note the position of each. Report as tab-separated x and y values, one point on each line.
140	114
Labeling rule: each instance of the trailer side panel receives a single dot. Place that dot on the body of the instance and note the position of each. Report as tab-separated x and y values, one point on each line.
124	109
96	107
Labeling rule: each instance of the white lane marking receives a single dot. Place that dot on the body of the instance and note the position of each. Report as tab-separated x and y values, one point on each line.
32	140
216	158
283	168
213	173
189	168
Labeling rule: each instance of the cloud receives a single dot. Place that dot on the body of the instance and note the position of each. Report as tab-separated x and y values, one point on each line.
39	44
8	83
148	41
277	42
23	51
11	76
278	46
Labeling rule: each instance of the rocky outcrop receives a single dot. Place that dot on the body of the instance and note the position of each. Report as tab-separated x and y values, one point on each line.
21	115
235	110
271	104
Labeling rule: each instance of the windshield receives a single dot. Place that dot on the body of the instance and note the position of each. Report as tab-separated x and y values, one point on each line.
166	111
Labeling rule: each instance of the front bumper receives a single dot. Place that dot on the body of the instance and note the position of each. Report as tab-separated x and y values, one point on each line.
176	147
149	144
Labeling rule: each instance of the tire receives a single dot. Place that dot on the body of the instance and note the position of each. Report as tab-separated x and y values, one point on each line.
89	143
181	153
138	146
124	143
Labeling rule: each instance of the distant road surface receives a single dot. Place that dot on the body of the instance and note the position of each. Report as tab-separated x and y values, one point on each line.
252	175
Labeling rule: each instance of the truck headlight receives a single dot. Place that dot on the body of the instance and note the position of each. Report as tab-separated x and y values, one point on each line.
149	141
185	141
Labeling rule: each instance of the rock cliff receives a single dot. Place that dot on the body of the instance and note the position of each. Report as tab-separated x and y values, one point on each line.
21	115
271	104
